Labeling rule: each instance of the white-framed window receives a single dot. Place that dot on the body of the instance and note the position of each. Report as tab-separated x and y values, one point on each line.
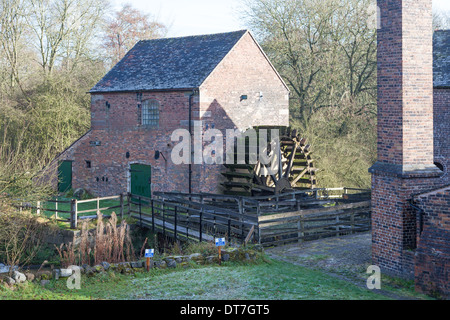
150	113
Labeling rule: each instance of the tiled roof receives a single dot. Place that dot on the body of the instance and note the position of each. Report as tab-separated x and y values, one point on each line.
441	58
169	63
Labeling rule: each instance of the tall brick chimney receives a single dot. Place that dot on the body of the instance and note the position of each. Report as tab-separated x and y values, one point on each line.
405	130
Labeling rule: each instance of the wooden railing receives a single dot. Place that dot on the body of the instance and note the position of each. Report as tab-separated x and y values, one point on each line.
268	220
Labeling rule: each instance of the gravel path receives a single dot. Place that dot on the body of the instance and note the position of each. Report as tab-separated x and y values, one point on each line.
345	257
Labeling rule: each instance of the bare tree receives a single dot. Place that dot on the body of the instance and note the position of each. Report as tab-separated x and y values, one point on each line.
13	30
441	20
63	29
325	50
128	26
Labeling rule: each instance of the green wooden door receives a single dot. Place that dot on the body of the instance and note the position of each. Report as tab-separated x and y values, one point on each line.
141	183
64	176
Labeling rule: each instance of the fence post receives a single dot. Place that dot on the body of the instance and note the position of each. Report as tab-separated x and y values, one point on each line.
153	215
121	205
56	208
352	221
201	227
300	229
98	206
164	218
73	214
175	225
140	212
38	208
129	203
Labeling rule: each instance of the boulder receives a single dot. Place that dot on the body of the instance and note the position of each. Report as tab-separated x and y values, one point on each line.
105	265
10	281
65	273
197	257
137	264
45	282
56	274
19	277
98	268
171	263
44	275
160	264
30	276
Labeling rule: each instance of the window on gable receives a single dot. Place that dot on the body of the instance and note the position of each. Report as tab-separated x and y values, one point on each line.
150	113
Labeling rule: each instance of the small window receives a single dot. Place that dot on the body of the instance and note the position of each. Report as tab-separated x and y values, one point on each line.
150	113
88	164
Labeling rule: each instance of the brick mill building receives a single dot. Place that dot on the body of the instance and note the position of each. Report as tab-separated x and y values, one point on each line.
410	180
222	81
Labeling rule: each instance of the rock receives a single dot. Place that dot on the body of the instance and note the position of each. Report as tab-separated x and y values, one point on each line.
137	264
232	252
160	264
126	270
105	265
45	282
178	259
247	256
56	273
10	281
44	275
65	273
212	259
225	257
197	257
30	276
98	268
171	263
90	271
19	277
83	268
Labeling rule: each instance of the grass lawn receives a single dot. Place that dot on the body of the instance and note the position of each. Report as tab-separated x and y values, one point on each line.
267	280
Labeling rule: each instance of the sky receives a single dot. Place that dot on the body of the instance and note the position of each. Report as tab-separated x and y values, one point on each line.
194	17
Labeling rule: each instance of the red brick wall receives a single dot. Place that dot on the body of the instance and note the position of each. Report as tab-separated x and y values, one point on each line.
394	222
432	257
118	130
244	71
442	131
405	130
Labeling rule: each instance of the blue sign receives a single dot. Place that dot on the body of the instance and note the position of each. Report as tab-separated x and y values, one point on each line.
220	242
149	253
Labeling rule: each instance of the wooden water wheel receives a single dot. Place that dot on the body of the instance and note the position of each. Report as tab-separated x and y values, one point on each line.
292	168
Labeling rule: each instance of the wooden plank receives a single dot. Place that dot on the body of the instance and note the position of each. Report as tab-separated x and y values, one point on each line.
313	211
295	219
249	235
98	199
170	227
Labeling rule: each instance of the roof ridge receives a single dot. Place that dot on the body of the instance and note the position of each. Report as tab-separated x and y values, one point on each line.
195	36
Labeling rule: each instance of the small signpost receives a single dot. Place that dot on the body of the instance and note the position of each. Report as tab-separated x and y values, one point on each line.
220	242
149	254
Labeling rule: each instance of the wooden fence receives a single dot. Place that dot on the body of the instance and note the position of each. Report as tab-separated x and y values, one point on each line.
268	220
73	208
